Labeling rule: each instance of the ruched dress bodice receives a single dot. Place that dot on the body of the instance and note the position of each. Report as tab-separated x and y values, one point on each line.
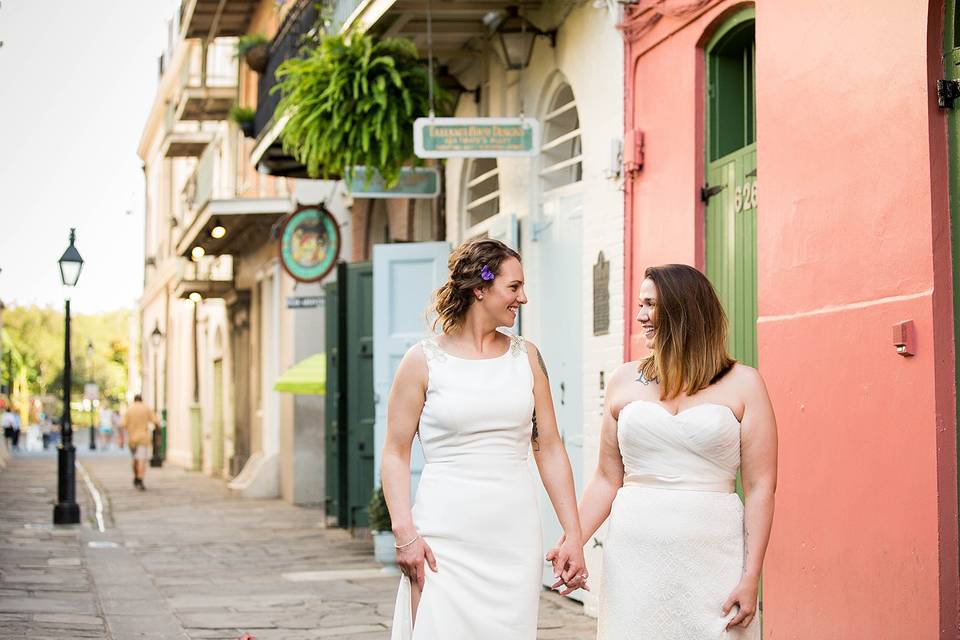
674	546
696	449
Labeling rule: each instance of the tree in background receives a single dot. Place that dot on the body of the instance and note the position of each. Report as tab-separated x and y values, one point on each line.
33	356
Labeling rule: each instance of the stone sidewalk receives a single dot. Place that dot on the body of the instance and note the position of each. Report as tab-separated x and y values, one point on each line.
186	560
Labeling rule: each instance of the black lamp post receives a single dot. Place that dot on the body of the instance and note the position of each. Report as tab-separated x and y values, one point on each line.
93	430
156	337
67	511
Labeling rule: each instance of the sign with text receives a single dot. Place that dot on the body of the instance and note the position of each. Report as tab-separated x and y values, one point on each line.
415	182
304	302
476	137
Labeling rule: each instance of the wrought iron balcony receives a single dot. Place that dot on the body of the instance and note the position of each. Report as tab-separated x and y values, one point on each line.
298	25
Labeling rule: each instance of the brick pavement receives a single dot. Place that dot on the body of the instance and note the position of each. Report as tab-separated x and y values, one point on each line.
187	560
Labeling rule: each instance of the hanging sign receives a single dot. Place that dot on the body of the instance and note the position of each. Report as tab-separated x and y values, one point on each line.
476	137
415	182
309	243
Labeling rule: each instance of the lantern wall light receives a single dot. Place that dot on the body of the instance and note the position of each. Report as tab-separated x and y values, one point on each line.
513	36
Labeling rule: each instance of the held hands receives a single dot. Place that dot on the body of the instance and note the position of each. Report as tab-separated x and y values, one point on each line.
743	596
569	567
411	557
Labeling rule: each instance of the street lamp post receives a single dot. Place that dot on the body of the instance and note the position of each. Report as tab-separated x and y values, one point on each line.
156	338
67	511
93	429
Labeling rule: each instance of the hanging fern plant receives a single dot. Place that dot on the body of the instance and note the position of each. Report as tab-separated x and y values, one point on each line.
352	101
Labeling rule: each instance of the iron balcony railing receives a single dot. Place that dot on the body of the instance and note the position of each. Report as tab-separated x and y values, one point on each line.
298	25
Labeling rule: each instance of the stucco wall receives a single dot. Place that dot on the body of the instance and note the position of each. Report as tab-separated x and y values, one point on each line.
846	238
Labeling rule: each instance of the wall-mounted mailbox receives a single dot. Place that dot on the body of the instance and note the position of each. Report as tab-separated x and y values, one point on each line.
905	338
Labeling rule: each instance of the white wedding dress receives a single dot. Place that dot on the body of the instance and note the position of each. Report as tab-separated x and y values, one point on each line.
674	547
476	504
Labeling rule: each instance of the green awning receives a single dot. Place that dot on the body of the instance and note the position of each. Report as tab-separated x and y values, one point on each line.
307	376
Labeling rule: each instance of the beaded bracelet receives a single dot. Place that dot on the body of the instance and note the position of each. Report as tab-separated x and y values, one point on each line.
406	544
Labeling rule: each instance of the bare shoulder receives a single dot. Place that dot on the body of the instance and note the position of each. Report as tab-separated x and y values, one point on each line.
746	377
413	365
537	362
626	372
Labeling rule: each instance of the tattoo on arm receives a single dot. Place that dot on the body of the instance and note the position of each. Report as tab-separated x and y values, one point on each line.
535	435
543	365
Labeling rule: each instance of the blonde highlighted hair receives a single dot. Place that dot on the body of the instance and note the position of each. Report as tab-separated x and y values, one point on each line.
690	332
453	299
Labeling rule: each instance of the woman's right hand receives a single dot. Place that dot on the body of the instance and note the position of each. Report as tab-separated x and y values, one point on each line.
411	560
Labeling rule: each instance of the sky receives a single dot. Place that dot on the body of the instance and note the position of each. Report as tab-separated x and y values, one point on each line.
77	80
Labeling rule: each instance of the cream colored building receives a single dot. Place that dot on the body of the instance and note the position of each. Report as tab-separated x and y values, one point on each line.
215	330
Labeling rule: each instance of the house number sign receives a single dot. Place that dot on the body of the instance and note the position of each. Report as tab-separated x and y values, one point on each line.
745	196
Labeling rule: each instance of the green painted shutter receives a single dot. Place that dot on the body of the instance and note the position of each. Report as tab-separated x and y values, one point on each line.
333	467
359	391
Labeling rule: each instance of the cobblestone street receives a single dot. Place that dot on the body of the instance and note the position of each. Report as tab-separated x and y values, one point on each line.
186	560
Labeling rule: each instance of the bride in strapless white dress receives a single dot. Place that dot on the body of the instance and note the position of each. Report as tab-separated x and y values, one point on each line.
680	559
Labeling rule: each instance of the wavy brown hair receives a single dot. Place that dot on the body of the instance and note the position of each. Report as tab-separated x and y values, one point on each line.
452	300
690	340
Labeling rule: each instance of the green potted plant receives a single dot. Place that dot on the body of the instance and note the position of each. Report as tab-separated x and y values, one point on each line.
254	49
243	116
381	528
351	101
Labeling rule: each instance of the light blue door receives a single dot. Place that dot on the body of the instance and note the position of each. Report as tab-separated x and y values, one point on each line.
404	279
559	299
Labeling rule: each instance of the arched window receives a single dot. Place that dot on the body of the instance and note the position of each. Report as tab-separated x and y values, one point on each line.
561	155
481	193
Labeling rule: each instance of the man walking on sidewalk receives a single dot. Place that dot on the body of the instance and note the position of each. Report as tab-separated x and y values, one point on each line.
136	422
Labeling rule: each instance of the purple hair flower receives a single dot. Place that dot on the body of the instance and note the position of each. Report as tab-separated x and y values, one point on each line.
486	274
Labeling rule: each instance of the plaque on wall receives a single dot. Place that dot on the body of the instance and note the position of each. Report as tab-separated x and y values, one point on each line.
601	296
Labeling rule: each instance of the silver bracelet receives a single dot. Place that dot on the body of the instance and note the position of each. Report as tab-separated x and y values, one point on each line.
406	544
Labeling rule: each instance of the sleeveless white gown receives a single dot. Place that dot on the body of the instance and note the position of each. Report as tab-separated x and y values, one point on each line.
476	505
674	547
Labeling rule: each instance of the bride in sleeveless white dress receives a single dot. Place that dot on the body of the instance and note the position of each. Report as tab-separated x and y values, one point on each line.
681	561
477	398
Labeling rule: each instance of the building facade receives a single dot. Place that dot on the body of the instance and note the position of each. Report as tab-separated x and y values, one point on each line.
835	272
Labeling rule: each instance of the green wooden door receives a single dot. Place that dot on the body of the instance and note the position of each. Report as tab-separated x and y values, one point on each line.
731	190
332	437
951	64
358	390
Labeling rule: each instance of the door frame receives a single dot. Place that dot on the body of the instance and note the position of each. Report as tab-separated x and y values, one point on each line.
944	62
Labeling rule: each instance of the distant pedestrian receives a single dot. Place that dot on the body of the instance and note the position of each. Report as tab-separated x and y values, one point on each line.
15	420
136	423
7	421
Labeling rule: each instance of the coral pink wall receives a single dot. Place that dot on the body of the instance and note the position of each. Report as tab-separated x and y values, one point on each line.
850	228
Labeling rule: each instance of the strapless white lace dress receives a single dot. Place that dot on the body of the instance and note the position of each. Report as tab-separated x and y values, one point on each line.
674	547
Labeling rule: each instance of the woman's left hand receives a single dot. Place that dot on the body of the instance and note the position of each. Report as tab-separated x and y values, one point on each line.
568	559
744	596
